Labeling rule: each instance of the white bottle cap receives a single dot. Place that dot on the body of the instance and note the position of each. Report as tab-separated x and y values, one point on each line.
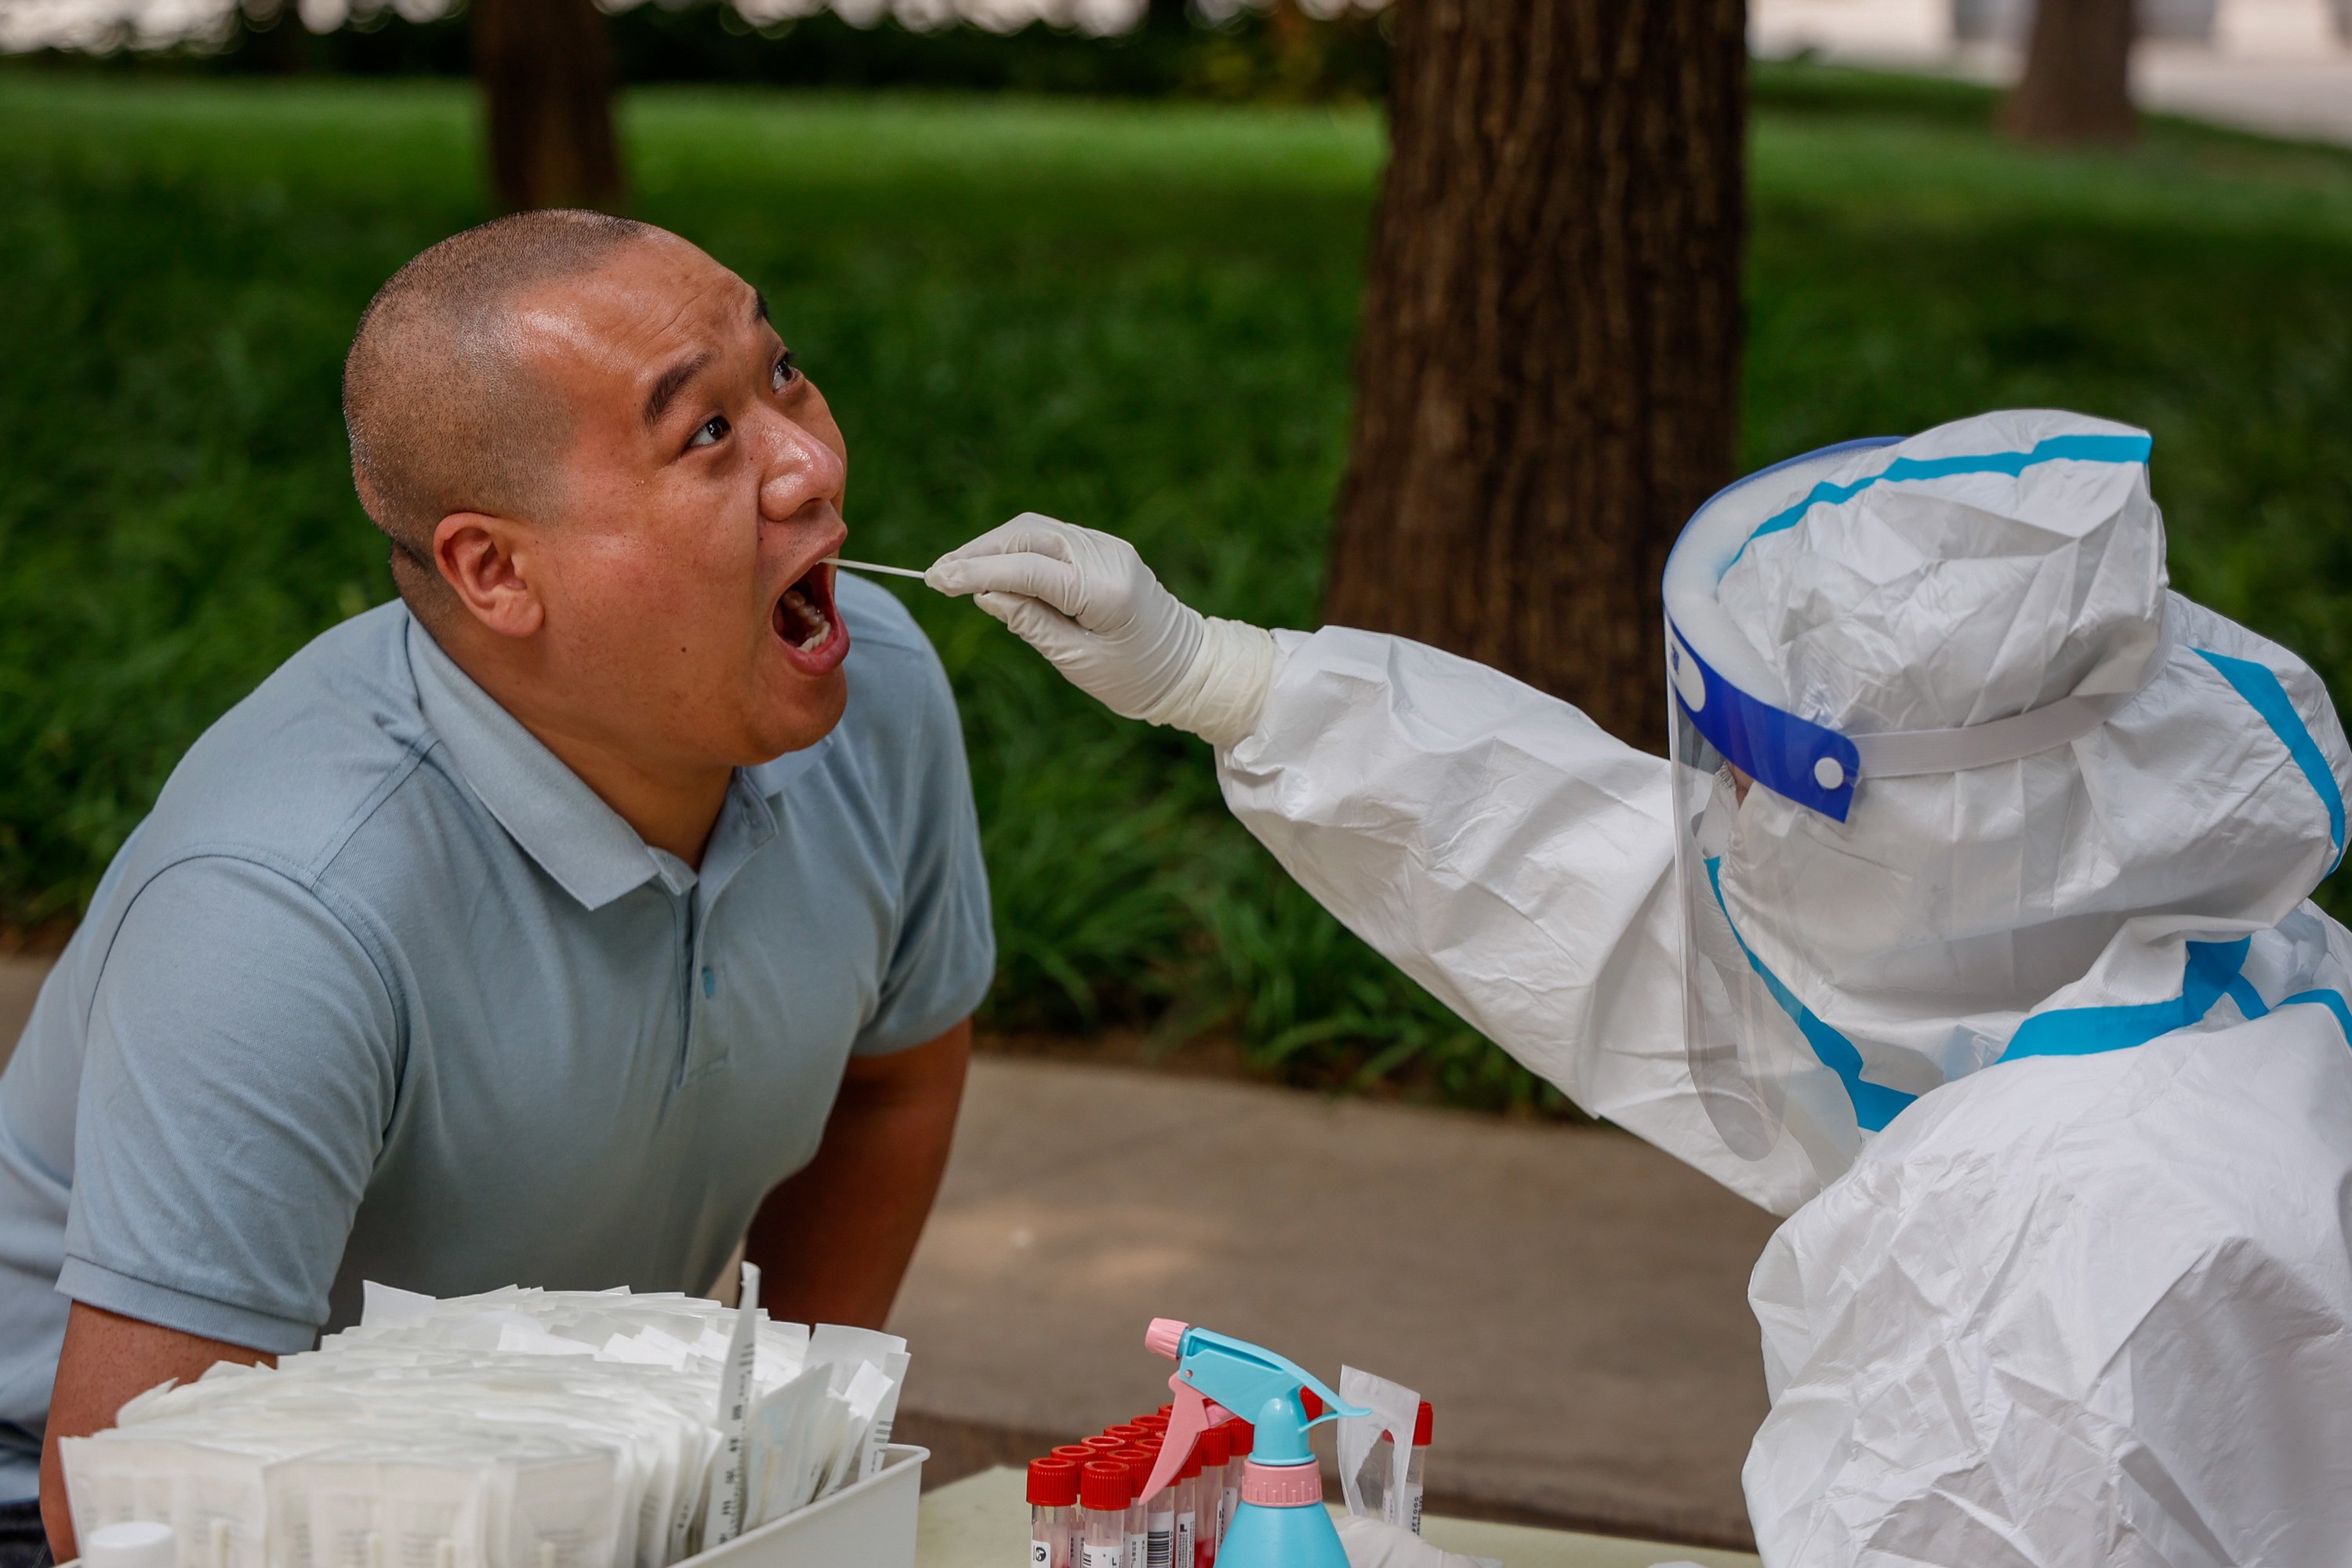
136	1544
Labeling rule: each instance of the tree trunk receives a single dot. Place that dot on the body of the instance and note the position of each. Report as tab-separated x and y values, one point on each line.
546	70
1547	370
2077	81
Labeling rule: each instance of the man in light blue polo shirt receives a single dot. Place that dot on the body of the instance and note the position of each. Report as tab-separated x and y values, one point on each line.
613	899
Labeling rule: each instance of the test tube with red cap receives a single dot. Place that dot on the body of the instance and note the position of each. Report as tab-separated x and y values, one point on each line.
1242	1437
1424	1427
1188	1512
1053	1511
1160	1517
1213	1447
1104	1488
1138	1518
1102	1444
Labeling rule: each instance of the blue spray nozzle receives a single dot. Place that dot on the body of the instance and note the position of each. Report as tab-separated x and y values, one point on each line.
1247	1379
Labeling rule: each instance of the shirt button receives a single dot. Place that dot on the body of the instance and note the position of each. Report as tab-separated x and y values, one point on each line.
709	982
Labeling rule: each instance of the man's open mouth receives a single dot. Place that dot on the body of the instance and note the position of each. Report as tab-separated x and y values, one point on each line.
807	623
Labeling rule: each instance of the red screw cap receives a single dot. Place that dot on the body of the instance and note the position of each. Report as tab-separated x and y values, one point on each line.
1107	1485
1215	1448
1425	1426
1052	1483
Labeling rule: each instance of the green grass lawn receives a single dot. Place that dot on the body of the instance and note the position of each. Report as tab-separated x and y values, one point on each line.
1137	316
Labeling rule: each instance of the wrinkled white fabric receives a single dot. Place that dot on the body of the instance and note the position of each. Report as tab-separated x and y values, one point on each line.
2074	1312
2080	1308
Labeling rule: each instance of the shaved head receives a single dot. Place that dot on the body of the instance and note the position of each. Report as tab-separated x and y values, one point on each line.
445	414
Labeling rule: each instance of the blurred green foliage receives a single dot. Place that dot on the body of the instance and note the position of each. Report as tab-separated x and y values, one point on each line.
1133	315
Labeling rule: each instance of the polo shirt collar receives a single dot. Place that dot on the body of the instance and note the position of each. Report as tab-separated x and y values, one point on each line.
586	846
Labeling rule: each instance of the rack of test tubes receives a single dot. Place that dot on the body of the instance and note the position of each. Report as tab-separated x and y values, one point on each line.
1087	1509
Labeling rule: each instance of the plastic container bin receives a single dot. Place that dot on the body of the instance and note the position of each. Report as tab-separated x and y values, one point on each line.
869	1525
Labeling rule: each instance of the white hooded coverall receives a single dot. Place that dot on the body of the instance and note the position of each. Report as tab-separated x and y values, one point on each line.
2087	1298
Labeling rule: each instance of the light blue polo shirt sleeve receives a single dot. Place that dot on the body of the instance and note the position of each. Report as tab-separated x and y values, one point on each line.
240	1069
944	960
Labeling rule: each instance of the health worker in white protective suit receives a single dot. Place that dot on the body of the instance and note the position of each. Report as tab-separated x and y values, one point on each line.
1967	927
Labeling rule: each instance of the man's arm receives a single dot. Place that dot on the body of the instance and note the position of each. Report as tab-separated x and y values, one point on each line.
107	1359
832	1241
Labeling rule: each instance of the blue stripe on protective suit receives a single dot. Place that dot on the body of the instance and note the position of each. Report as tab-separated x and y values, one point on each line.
2209	975
2250	1002
2085	448
2261	688
1874	1105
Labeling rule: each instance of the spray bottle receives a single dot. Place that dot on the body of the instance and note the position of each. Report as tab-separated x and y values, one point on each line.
1280	1522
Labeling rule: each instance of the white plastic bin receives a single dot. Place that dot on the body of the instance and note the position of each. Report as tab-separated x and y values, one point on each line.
869	1525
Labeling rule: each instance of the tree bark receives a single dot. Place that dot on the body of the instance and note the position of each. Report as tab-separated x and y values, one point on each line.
2077	82
1548	369
546	71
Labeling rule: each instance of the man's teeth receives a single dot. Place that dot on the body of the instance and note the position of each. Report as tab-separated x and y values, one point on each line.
810	615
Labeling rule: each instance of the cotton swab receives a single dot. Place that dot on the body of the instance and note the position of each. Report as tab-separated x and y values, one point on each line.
871	566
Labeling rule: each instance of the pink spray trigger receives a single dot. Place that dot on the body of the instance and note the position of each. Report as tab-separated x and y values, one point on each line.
1188	1416
1186	1421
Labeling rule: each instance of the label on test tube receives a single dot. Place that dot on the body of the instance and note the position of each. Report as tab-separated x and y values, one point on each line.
1041	1554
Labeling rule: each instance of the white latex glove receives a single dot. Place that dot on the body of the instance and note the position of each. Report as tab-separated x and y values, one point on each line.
1086	601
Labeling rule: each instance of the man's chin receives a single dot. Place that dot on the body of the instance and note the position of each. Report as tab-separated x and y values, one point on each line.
803	717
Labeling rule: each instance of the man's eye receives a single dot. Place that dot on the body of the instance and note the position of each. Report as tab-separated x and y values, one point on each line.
787	373
711	431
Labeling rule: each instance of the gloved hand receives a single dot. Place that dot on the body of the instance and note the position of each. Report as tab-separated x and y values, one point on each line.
1086	601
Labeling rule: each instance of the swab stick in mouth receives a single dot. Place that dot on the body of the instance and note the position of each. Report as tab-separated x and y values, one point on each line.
870	566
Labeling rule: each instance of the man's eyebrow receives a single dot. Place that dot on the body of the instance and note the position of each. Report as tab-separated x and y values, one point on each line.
759	306
673	381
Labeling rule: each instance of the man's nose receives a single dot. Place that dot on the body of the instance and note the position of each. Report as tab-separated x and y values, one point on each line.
797	469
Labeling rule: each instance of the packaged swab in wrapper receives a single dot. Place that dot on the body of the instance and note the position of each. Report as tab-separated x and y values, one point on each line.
514	1429
1381	1456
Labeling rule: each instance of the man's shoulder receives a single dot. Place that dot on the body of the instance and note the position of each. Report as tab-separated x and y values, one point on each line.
286	776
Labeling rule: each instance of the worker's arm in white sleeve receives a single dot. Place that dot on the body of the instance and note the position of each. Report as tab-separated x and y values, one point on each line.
1493	842
1501	849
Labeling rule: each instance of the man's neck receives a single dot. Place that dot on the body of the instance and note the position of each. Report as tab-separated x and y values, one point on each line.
671	810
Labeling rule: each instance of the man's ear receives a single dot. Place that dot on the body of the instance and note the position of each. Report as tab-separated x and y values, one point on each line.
477	555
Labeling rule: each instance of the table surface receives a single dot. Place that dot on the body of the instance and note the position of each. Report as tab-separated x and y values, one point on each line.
983	1522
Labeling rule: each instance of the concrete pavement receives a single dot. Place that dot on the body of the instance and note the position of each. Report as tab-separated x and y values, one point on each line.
1571	1300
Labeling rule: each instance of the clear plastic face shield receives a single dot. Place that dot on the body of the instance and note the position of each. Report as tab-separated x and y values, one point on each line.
1747	1035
